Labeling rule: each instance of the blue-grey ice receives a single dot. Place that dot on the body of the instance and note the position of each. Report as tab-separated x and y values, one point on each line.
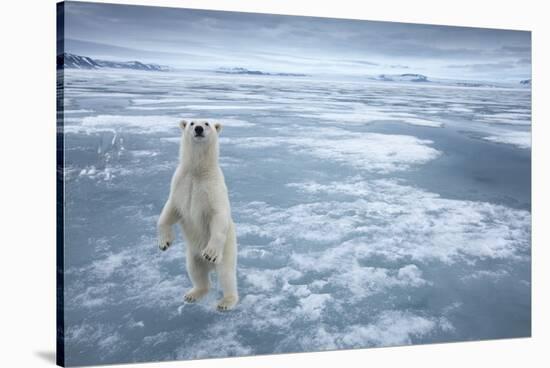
369	213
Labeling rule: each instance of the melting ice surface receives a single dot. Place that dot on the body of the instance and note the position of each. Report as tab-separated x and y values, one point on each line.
368	214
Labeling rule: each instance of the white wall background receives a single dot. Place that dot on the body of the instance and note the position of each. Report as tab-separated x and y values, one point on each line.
27	179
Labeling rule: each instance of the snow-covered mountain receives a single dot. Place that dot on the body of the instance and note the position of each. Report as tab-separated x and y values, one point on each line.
72	61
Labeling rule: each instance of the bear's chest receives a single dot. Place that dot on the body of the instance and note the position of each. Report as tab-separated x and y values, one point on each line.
192	199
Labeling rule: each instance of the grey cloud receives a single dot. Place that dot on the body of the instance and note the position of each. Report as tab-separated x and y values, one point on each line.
516	49
184	36
364	62
484	67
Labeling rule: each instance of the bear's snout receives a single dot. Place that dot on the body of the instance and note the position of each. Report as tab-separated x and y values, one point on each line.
199	130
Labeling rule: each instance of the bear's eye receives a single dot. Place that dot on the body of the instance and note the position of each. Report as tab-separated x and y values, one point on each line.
192	124
206	124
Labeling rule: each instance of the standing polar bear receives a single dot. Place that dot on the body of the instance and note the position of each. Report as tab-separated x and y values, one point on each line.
198	200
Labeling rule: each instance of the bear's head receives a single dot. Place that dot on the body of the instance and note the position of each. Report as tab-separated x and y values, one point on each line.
199	143
200	131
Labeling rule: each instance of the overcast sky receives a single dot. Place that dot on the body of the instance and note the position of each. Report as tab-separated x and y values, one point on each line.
184	38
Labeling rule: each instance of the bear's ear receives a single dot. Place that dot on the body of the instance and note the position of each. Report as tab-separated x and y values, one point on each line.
183	124
218	127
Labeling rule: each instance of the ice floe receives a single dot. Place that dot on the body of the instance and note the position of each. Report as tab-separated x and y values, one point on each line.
517	138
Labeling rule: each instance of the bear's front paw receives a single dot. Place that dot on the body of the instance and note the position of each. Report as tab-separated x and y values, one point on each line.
166	238
211	254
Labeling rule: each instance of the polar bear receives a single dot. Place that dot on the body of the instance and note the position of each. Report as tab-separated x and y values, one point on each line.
198	200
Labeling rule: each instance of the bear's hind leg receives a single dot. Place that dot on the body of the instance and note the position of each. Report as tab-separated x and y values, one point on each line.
198	272
227	277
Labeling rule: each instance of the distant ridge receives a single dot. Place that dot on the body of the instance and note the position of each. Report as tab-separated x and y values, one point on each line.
407	77
256	72
72	61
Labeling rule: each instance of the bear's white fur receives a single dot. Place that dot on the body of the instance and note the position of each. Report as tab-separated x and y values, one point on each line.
198	200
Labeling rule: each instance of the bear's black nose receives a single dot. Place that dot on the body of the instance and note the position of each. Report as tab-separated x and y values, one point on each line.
199	130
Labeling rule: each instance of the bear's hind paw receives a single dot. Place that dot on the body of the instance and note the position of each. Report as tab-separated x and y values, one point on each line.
227	303
194	294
